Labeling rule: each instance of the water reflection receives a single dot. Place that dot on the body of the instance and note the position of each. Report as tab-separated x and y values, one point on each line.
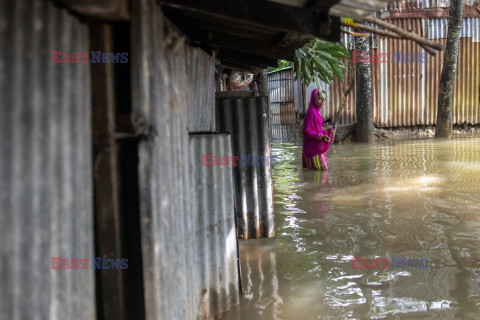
411	199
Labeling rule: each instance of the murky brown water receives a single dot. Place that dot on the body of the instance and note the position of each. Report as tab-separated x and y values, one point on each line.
411	199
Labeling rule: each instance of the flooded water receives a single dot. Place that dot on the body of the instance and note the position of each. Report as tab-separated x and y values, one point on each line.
417	199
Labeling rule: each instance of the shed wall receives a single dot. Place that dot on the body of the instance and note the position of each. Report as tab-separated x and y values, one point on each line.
45	164
163	115
214	236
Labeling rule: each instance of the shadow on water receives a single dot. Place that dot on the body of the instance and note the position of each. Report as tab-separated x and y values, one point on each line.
415	199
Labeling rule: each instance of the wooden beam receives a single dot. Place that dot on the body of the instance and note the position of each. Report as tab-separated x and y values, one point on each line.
106	10
321	4
235	58
256	47
223	38
280	17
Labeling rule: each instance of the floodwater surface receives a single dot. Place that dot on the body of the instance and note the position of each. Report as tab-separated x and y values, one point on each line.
417	199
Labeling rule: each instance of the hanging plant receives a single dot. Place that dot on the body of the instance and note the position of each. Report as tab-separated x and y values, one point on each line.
320	60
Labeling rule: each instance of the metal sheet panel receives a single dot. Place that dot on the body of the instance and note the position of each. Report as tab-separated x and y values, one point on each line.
405	87
214	236
200	69
286	102
247	120
159	110
281	92
408	91
162	84
45	164
402	80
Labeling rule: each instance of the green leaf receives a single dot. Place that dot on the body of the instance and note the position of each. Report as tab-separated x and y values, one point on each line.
337	71
320	60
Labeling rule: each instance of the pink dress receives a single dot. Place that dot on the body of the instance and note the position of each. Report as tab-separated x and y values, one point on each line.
312	146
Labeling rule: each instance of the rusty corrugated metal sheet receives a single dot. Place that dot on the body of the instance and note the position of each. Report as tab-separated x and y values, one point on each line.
401	85
406	93
281	91
161	117
410	5
45	164
213	237
247	120
286	101
467	85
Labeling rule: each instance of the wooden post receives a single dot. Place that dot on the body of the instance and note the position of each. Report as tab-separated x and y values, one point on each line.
263	83
108	231
365	129
447	79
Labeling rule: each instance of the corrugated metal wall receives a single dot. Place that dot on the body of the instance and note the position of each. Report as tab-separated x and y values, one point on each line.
406	93
247	120
213	237
281	91
45	164
286	102
162	114
200	78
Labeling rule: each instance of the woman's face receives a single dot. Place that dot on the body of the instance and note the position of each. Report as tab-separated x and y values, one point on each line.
319	102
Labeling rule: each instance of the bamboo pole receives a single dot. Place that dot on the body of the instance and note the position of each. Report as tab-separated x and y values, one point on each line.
355	34
389	34
408	35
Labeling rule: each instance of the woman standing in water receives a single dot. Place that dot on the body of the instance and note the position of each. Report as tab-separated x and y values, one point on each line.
316	141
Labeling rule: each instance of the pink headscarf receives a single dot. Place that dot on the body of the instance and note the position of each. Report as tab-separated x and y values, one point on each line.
312	98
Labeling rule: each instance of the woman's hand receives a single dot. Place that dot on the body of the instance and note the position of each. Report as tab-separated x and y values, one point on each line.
323	137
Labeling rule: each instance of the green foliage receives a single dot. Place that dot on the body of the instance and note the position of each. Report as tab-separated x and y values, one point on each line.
320	59
282	64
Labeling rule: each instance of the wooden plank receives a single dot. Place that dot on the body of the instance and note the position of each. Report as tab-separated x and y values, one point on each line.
280	17
108	10
107	214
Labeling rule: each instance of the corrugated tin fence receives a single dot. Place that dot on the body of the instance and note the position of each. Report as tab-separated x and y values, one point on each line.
214	235
286	104
247	119
175	254
406	79
45	164
280	85
407	92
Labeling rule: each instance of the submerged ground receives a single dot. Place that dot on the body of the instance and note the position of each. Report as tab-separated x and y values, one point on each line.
417	199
